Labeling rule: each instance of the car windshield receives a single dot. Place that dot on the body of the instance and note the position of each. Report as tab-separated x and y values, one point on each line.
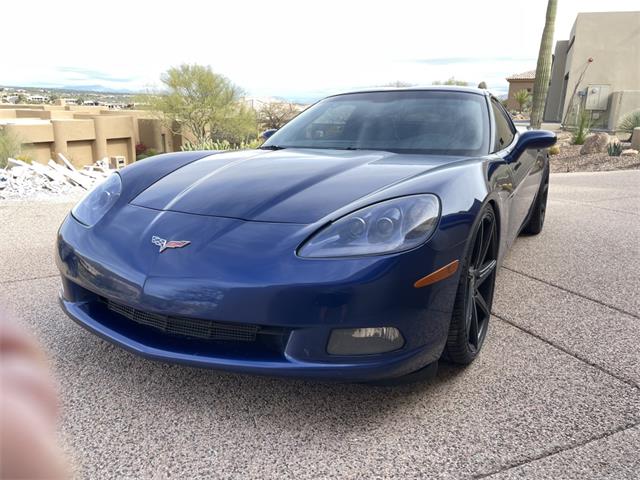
408	121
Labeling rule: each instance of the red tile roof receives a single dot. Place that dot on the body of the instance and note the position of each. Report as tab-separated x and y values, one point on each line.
530	75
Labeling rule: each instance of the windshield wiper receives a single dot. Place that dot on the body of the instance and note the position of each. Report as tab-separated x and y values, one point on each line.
271	147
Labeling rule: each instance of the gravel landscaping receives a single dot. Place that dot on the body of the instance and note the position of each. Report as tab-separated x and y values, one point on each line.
570	160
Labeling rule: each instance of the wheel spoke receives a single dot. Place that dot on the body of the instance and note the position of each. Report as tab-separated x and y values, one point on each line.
473	326
486	243
477	248
469	311
484	272
480	302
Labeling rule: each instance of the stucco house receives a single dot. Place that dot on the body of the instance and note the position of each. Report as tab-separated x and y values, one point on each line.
517	82
596	71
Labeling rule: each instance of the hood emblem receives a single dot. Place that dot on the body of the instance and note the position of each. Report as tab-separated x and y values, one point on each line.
164	244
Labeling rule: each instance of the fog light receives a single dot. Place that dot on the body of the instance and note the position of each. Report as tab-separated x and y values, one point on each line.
364	341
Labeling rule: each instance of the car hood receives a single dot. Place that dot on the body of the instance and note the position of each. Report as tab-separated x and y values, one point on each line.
291	185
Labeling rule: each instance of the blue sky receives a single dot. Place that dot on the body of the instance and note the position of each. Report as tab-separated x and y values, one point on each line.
290	49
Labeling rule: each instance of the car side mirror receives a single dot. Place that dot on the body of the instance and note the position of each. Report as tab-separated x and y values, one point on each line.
531	139
267	133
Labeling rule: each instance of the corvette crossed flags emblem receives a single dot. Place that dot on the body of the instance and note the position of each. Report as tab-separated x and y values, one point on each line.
165	244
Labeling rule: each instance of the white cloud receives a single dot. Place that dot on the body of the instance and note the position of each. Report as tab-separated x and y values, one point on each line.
280	47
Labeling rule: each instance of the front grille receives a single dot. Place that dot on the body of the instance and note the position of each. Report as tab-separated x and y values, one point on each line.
188	327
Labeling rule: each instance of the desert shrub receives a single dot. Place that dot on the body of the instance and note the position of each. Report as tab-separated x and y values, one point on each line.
630	122
614	149
24	157
219	145
523	98
554	150
147	152
140	148
582	129
9	147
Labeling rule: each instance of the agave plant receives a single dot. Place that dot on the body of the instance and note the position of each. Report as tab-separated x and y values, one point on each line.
614	149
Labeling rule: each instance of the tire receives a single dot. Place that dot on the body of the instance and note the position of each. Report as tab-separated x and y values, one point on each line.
536	221
472	307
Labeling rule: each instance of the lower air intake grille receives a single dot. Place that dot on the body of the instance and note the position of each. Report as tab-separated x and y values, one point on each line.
188	327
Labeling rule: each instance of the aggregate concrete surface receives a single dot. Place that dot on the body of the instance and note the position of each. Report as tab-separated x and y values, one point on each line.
554	394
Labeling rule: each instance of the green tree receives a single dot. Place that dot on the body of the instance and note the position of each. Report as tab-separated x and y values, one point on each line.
276	114
398	84
522	97
207	105
451	81
543	68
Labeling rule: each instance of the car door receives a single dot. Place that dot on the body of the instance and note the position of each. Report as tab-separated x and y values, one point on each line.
525	176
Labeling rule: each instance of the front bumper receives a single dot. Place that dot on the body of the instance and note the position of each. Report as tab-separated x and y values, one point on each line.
302	299
155	347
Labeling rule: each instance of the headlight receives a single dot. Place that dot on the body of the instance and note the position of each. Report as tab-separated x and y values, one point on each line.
386	227
98	201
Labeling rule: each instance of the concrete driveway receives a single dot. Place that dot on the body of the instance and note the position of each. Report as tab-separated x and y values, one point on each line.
555	393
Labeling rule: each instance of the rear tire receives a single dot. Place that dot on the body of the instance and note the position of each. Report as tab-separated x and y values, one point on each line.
536	222
472	307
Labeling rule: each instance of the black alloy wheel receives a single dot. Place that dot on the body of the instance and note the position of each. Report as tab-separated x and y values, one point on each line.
472	308
536	222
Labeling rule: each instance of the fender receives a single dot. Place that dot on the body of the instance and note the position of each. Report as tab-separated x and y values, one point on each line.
140	175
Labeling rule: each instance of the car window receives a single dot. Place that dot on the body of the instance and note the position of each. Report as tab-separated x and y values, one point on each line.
503	136
411	121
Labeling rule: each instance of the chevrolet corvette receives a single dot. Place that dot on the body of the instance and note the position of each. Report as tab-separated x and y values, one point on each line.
360	242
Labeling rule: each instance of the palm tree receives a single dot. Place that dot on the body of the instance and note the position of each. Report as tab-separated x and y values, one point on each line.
543	68
522	97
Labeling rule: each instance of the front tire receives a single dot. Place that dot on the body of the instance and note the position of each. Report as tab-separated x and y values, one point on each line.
472	308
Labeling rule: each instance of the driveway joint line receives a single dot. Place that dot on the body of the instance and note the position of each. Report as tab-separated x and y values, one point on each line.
573	292
589	204
559	450
18	280
586	361
613	198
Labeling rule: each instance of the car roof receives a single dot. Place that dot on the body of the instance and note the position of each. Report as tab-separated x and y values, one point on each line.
443	88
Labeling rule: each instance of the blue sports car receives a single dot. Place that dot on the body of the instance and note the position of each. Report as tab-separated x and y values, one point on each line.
360	242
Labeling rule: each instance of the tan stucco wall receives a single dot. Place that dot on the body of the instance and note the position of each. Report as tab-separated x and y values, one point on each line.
118	147
39	152
152	131
31	133
556	93
79	151
612	39
67	129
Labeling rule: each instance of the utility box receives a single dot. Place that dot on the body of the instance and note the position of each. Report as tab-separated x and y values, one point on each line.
597	97
117	162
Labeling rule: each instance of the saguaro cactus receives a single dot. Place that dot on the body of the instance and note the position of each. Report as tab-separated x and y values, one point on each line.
543	68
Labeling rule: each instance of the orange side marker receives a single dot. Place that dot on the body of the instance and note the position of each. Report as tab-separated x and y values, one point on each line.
440	274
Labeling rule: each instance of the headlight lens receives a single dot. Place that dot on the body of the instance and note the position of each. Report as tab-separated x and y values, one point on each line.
386	227
98	201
